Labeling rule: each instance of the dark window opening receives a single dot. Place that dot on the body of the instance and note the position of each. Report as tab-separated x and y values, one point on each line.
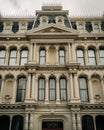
4	122
74	25
30	24
1	26
102	25
15	27
88	26
99	122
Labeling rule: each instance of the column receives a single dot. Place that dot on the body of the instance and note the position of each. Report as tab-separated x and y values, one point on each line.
69	52
86	57
28	86
97	57
14	90
68	89
31	52
36	88
34	54
73	53
26	122
1	92
31	122
57	91
73	122
18	57
79	126
94	121
47	92
33	86
7	57
90	91
102	85
71	85
76	88
10	123
57	56
47	56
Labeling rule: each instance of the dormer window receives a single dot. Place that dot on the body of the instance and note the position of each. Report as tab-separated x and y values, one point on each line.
59	20
44	20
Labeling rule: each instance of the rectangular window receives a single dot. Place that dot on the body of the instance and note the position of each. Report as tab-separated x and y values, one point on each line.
80	56
24	57
91	57
61	56
2	56
41	89
12	60
52	90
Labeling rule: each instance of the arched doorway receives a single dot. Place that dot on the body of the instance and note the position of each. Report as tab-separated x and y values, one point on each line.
52	125
4	122
99	122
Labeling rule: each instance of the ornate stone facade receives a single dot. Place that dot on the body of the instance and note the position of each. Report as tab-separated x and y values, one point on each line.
52	72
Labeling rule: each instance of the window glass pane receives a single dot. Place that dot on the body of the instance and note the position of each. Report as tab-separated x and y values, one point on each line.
62	60
80	60
23	61
13	53
61	56
102	53
2	53
92	61
82	82
63	88
42	52
12	61
42	60
2	61
80	53
24	53
42	56
61	52
102	61
91	53
84	95
63	94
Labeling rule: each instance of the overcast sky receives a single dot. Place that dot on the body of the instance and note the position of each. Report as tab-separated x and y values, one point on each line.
75	7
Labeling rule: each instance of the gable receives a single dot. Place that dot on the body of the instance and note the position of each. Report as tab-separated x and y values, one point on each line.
51	28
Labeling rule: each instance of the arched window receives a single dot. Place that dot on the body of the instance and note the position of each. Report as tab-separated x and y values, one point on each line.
42	56
44	21
99	122
87	123
91	57
52	88
61	56
83	88
63	89
21	88
2	56
80	56
60	21
17	123
13	56
24	56
41	88
101	54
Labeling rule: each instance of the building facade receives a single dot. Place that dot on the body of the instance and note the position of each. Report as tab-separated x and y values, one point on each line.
52	72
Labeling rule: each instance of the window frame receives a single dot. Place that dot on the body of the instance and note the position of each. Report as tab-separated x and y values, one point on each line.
80	57
12	57
42	89
22	90
63	89
61	56
92	57
22	57
84	89
50	89
42	57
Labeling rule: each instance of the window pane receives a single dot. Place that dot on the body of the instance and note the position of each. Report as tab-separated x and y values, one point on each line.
91	53
2	61
13	53
62	60
12	61
83	95
42	60
82	82
24	53
80	53
63	88
63	94
2	53
80	60
92	61
23	61
102	61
